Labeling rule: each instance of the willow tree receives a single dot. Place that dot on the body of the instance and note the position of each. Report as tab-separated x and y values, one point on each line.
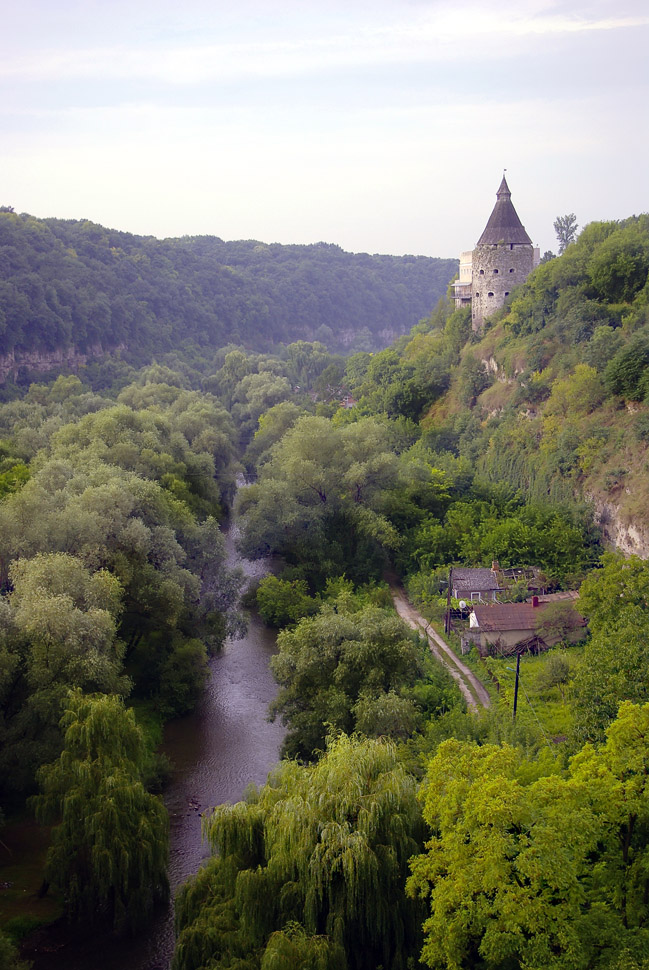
9	959
293	949
109	851
324	847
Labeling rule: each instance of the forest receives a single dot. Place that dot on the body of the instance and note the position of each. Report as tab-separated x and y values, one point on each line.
70	285
403	828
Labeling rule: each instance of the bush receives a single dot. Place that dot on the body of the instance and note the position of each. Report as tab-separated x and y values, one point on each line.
9	955
619	266
281	602
625	372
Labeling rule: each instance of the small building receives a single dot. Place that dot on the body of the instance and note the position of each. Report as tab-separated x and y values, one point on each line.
529	576
464	282
474	585
502	629
562	596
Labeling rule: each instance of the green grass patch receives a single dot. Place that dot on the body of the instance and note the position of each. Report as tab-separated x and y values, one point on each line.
544	691
471	660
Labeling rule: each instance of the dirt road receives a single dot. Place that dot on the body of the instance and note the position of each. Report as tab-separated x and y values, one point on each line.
473	691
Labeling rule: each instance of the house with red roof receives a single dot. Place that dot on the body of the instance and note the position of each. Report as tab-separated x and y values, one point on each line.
501	629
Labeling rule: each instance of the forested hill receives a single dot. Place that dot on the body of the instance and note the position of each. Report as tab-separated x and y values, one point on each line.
552	396
68	284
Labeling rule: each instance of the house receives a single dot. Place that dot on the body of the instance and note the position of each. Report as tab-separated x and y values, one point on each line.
474	584
507	628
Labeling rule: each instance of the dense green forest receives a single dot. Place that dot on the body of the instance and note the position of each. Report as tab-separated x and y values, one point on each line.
461	448
73	284
402	829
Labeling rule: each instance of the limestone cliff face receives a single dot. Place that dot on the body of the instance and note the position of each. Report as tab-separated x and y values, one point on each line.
629	537
43	361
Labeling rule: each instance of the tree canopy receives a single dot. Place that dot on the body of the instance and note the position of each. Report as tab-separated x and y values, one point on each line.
350	669
72	283
109	852
547	874
565	228
324	847
316	501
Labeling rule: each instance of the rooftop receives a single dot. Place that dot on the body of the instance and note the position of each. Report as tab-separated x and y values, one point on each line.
504	224
498	617
473	580
561	596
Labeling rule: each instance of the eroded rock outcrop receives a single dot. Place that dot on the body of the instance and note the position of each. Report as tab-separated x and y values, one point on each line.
629	537
43	361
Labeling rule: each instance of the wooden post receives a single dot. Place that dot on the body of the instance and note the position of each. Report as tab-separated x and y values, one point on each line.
518	671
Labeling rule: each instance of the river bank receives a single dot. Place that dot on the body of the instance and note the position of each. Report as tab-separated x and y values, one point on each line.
215	752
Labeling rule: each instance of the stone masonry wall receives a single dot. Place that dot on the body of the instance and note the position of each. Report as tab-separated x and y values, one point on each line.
496	271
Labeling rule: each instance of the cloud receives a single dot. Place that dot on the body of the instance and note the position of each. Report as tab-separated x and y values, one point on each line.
441	34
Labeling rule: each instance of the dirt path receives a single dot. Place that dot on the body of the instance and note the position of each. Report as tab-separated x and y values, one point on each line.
473	691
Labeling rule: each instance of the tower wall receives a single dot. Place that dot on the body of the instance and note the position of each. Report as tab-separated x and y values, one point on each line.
497	269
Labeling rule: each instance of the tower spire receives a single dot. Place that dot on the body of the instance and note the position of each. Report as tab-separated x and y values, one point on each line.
503	189
504	226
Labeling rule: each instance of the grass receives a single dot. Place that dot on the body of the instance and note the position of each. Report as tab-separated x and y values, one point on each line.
23	849
497	397
547	708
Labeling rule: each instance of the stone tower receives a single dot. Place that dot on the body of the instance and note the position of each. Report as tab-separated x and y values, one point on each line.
502	259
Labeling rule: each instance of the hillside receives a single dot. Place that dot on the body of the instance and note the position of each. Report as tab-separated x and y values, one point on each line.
552	397
73	289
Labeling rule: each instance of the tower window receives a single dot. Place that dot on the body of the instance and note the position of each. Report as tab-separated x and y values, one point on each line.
511	270
506	294
495	271
481	272
511	245
489	294
477	294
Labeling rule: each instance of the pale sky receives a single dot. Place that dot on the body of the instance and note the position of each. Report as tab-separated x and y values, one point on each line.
382	126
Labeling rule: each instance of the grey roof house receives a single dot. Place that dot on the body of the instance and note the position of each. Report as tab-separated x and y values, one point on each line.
474	584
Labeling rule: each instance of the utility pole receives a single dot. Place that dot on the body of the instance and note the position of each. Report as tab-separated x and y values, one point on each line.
518	672
447	617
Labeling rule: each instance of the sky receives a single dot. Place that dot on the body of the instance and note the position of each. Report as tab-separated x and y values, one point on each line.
381	126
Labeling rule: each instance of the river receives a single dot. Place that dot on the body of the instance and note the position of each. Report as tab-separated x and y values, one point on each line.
216	752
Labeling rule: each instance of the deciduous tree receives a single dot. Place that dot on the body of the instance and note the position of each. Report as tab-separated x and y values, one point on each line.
340	670
109	851
565	228
548	874
325	847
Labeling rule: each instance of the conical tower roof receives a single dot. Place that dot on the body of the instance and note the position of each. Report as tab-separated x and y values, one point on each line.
504	224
